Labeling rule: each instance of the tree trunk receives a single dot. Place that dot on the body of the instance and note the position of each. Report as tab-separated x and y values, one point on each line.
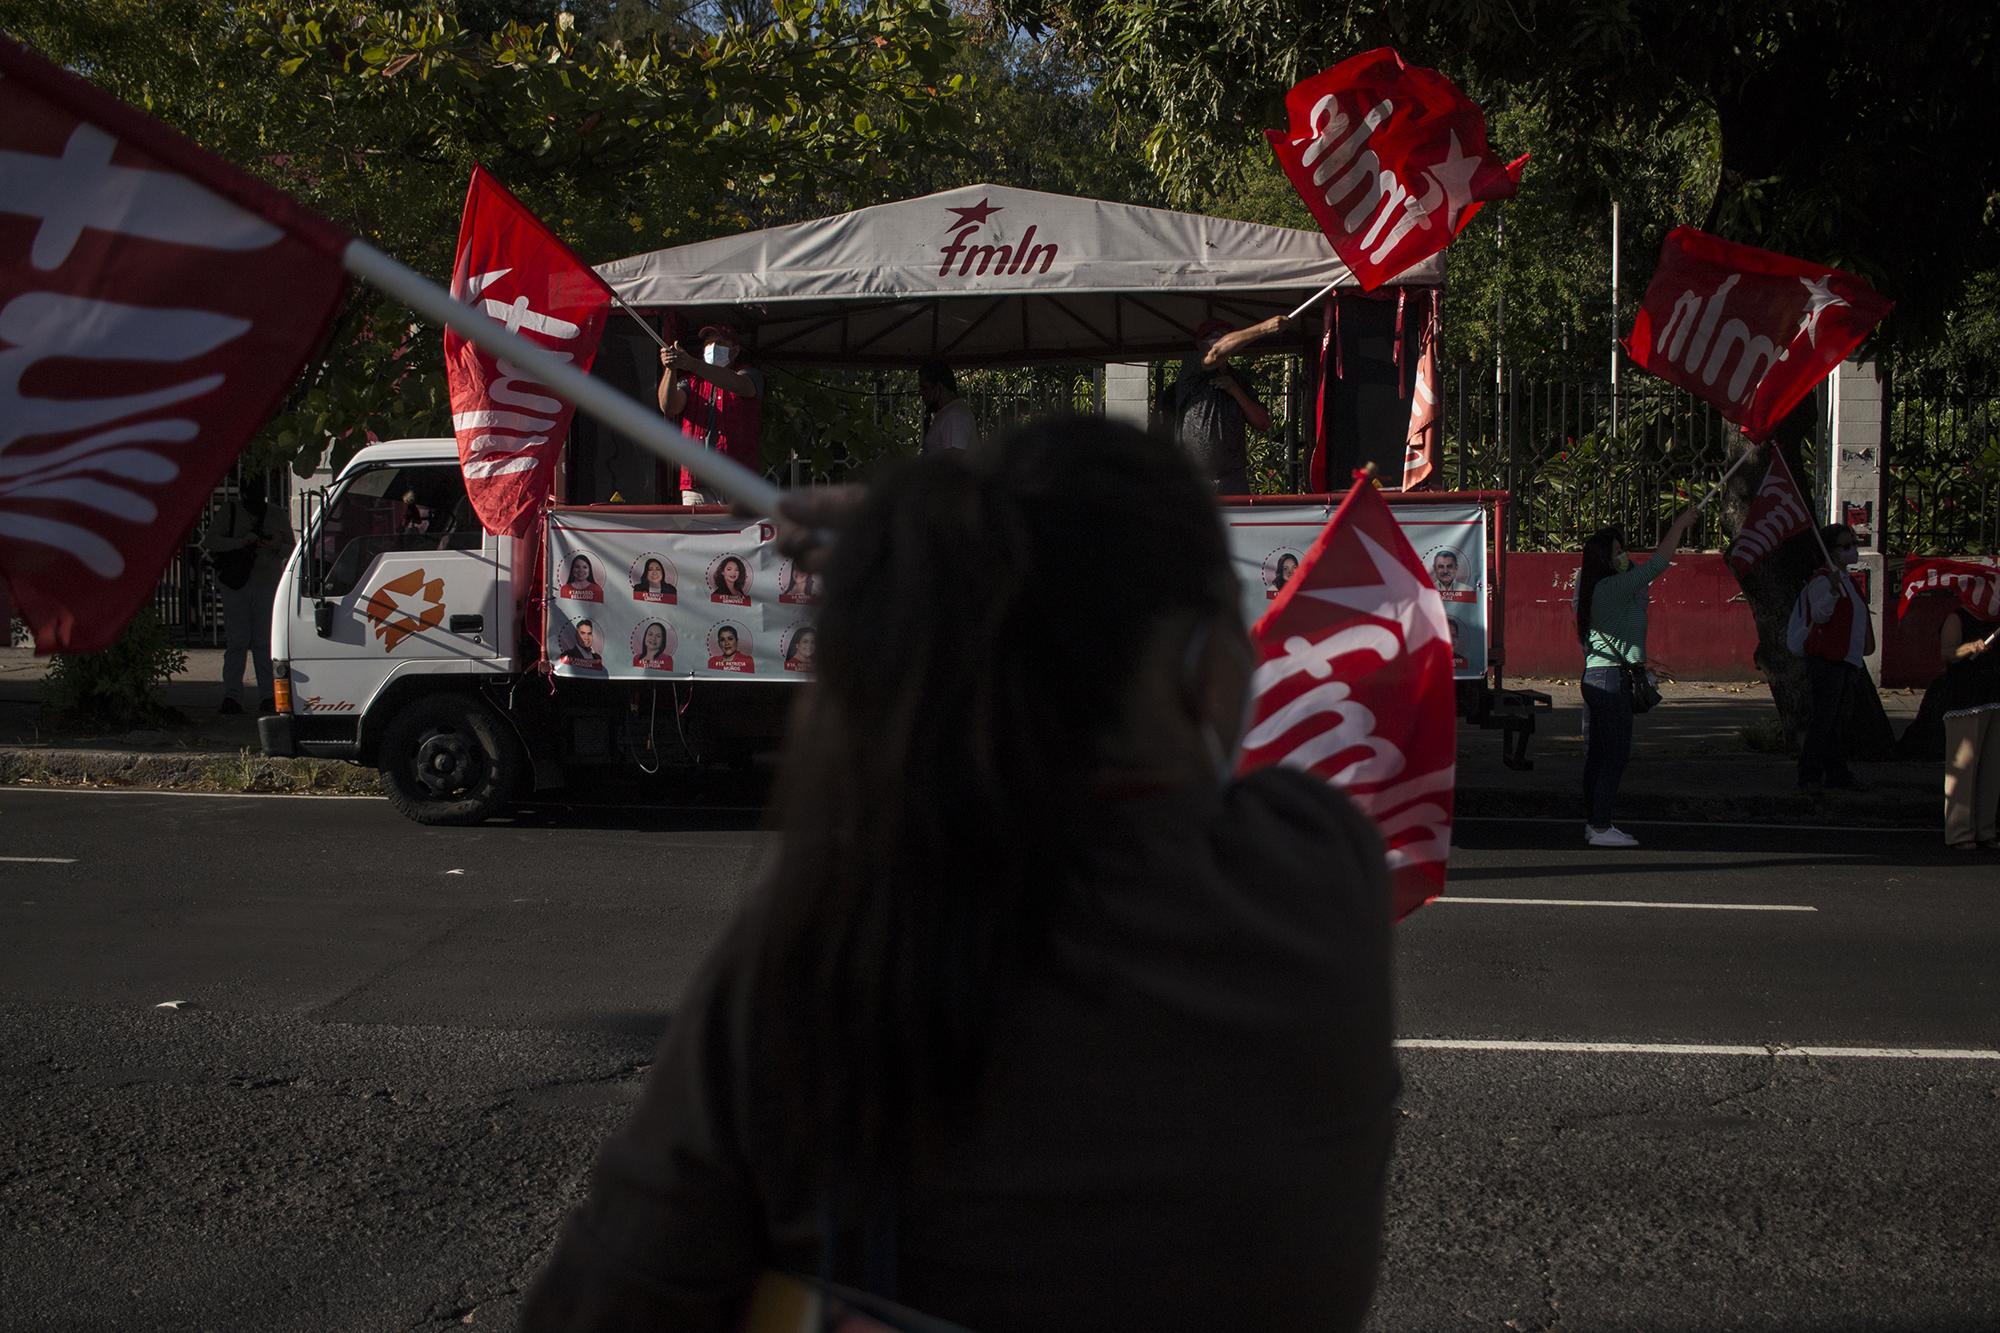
1771	587
1753	146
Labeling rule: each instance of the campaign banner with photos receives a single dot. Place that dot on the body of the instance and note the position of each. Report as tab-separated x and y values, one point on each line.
1267	542
647	594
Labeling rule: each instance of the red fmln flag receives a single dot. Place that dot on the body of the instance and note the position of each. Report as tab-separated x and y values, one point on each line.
1777	514
1354	684
1391	159
1748	330
510	430
1420	445
156	304
1977	586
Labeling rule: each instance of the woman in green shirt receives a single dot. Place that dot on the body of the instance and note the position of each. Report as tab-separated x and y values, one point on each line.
1611	599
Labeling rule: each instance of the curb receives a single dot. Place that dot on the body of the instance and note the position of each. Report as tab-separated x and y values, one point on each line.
1873	809
245	771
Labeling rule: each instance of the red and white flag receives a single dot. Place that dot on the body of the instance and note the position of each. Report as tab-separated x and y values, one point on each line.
510	430
1354	684
1391	159
1420	445
1748	330
156	304
1977	586
1777	514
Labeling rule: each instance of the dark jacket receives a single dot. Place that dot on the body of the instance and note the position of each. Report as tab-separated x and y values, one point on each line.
1186	1121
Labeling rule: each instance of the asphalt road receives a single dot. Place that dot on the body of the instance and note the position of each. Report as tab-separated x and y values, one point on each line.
398	1049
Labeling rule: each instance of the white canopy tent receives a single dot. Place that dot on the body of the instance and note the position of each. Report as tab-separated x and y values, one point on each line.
987	274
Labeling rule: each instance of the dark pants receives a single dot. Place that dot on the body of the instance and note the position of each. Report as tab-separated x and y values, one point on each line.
1609	747
1820	758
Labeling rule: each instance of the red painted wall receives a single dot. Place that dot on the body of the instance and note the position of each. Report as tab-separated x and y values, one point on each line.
1698	628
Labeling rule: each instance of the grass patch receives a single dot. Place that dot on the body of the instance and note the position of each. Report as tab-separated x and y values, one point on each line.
245	771
1766	737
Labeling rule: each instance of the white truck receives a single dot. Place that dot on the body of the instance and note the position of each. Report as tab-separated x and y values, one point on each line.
475	670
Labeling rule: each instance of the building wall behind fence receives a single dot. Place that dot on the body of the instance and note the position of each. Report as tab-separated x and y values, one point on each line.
1698	628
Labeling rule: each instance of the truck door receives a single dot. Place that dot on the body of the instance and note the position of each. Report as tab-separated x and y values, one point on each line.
399	572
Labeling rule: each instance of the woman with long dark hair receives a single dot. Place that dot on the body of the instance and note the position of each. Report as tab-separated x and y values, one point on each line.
652	585
800	653
582	585
1612	595
732	582
653	652
1288	565
1043	1019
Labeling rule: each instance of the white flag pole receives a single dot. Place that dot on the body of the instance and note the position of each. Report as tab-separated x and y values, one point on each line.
1313	300
640	421
1716	490
640	320
1236	340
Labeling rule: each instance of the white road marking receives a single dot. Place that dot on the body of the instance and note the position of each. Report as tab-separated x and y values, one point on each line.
1696	1048
1617	902
1930	830
40	860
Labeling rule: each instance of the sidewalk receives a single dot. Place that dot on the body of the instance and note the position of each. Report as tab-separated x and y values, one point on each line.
202	751
195	693
1689	759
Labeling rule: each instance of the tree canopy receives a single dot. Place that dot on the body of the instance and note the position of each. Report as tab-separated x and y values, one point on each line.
1850	131
627	129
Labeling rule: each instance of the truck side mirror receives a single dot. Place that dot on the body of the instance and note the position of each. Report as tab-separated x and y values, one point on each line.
323	618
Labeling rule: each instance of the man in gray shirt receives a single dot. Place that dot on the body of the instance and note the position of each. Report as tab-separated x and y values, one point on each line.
1210	407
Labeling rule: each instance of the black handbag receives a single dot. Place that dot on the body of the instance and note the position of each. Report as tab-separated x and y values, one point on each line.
1639	687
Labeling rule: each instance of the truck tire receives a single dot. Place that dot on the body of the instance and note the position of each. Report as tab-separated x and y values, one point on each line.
449	759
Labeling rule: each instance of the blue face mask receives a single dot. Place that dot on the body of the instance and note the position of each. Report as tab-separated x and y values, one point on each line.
1623	563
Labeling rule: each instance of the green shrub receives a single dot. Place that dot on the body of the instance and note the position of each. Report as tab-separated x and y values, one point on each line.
118	687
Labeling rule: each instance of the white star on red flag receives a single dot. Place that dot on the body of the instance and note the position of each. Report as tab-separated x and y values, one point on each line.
1355	685
1409	600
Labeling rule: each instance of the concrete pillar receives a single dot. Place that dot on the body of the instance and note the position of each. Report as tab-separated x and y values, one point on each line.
1128	391
1857	419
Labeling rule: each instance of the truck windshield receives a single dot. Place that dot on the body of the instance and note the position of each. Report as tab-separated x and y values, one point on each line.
396	507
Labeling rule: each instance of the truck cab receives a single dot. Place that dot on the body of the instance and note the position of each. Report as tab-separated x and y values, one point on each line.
392	627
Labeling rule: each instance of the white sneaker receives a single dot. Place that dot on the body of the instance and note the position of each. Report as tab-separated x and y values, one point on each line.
1610	837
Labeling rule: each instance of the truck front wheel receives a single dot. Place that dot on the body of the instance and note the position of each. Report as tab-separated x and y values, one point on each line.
448	759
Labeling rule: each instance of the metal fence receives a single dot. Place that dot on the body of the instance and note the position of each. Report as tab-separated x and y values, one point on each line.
1577	458
1941	469
186	598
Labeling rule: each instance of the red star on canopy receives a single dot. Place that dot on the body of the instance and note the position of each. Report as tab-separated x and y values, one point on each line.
971	217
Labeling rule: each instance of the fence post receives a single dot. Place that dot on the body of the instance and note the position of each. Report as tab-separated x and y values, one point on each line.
1126	392
1856	412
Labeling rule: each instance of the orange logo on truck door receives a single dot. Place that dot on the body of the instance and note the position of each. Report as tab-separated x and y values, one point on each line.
404	606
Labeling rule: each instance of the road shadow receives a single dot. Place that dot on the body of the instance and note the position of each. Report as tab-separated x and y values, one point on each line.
649	1025
663	815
